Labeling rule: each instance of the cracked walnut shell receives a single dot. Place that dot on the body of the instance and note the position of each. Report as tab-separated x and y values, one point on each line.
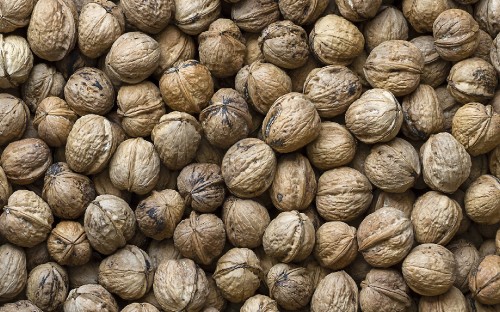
68	244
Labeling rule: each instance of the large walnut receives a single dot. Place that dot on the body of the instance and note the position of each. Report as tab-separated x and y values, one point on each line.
336	246
388	24
253	16
193	17
384	290
483	281
16	61
472	80
68	244
150	17
13	272
421	14
14	116
89	298
48	286
54	120
43	81
337	292
482	200
290	285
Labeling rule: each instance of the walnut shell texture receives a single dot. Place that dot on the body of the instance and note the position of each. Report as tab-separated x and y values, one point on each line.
482	201
336	246
175	48
15	14
388	24
467	258
16	61
435	68
14	116
290	285
264	303
150	17
90	297
384	289
254	16
68	244
54	120
194	17
302	12
43	81
472	80
336	292
47	286
13	272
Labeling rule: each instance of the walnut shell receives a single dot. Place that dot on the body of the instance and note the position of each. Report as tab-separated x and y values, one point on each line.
472	80
445	163
16	61
68	245
47	286
388	24
336	292
483	281
15	14
84	274
357	11
485	14
140	307
449	106
149	17
175	48
13	272
43	81
163	250
259	303
467	259
109	223
384	290
253	16
158	215
302	12
54	120
290	285
194	17
289	237
401	201
429	269
421	14
20	306
253	52
494	162
478	168
299	75
180	285
484	48
103	186
14	116
89	298
482	200
336	246
335	40
435	68
214	300
452	300
76	60
100	23
385	237
5	188
37	255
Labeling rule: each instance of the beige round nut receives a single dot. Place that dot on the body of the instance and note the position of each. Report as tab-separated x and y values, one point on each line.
68	244
435	68
315	271
290	285
302	12
158	215
260	302
140	307
13	270
358	11
421	14
482	200
429	269
90	297
47	286
149	17
15	14
472	80
43	81
388	24
16	61
336	292
384	289
254	16
467	258
175	47
483	284
194	17
335	41
485	13
452	300
20	306
336	245
54	120
100	23
14	116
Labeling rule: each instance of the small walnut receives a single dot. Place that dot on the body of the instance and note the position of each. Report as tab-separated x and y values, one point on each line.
170	136
13	272
54	120
302	12
76	60
384	289
158	215
482	200
16	60
43	81
299	75
103	186
395	65
289	237
472	80
194	17
435	68
388	24
100	23
336	246
14	116
201	237
88	298
385	237
483	281
20	306
222	48
150	17
467	259
484	48
109	223
335	41
84	274
180	285
486	14
139	307
452	300
254	16
15	14
47	286
68	244
449	106
336	292
422	13
429	269
445	163
175	48
257	303
290	285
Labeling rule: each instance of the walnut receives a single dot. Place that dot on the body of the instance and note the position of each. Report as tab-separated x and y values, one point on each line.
422	14
484	285
302	12
452	300
435	68
150	17
478	168
103	186
13	271
472	80
484	47
335	40
259	303
39	254
388	24
254	16
395	65
47	286
482	201
290	285
449	106
87	298
253	52
84	274
14	116
357	11
139	307
43	81
401	201
54	120
175	48
20	306
384	289
429	269
486	14
336	292
5	188
163	250
336	246
158	215
170	136
385	237
100	23
248	168
222	48
488	247
16	61
180	285
214	300
109	223
68	244
343	194
289	237
168	179
194	17
122	59
76	60
445	163
15	14
467	258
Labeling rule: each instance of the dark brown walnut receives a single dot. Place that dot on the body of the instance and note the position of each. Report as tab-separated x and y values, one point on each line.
202	186
194	17
467	259
395	65
482	200
484	47
214	300
16	61
445	163
14	115
68	244
336	292
401	201
289	237
248	168
20	306
494	162
284	44
227	119
478	168
170	136
43	81
343	194
452	300
254	16
262	83
435	218
84	274
259	303
245	221
483	281
87	298
302	12
127	273
388	24
472	80
393	166
385	237
332	89
158	215
140	307
47	286
149	17
290	285
449	106
109	223
456	35
435	68
5	188
238	274
54	120
175	48
335	41
421	14
163	250
180	285
15	14
100	23
486	14
13	272
357	11
477	128
375	117
52	29
384	290
429	270
103	186
336	246
201	237
121	63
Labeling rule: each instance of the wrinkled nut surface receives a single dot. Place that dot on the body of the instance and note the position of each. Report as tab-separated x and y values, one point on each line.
482	201
20	306
15	14
175	47
452	300
14	116
336	292
54	120
421	14
472	80
150	17
401	201
43	81
13	272
90	297
290	285
358	11
68	244
47	286
194	17
435	68
302	12
16	61
384	289
253	16
5	188
494	162
259	302
467	258
483	281
388	24
336	246
140	307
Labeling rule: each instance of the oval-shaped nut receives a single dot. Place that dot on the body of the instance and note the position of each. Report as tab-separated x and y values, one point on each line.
90	297
358	11
14	116
54	120
336	292
435	68
150	17
388	24
13	272
68	244
452	300
194	17
467	258
16	61
421	14
482	200
43	81
48	286
290	285
175	47
336	246
472	80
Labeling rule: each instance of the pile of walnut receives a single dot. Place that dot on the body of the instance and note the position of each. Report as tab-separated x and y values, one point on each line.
249	155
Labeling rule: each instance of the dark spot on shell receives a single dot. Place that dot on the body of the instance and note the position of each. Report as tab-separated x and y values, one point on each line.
280	197
54	169
97	85
352	89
